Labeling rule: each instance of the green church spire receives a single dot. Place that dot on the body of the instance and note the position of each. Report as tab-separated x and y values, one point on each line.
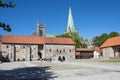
70	26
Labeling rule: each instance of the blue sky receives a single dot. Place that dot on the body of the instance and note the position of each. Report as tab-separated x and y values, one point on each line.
91	17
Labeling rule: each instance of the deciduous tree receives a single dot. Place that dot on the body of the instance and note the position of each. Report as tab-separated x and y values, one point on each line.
6	5
99	40
79	41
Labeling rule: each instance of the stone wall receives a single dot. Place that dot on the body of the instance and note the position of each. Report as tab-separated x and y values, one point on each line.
54	51
20	52
108	52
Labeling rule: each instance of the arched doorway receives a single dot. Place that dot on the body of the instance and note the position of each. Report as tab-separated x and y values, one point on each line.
39	55
63	58
59	58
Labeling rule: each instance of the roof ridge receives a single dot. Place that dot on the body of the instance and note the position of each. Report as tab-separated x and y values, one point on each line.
114	41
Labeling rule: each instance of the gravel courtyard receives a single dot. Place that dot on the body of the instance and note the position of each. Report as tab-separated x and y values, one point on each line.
69	70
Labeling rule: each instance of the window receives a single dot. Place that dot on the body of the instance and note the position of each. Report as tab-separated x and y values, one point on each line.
7	46
118	49
63	50
50	50
60	51
23	59
69	50
18	59
23	46
57	50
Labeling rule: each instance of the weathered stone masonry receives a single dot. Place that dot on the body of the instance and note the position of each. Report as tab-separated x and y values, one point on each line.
31	48
55	51
17	52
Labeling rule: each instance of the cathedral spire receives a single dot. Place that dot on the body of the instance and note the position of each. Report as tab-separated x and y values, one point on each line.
70	26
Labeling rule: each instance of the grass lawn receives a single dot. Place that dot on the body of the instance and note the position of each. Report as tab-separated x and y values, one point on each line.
111	60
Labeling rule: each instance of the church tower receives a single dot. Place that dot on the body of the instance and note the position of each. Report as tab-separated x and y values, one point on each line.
70	26
40	29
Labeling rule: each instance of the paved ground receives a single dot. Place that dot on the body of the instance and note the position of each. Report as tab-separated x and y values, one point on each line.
73	70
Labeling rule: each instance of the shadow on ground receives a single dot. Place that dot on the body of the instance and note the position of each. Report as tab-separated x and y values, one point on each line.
31	73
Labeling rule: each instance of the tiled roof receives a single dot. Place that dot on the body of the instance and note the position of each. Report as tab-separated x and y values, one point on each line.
35	40
115	41
97	49
84	49
22	39
53	40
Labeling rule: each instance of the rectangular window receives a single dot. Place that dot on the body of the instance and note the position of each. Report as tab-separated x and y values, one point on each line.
23	47
69	50
7	46
57	50
50	50
63	50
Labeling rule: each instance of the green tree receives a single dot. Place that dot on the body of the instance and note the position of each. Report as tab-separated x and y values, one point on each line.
79	41
102	39
113	34
95	41
99	40
5	5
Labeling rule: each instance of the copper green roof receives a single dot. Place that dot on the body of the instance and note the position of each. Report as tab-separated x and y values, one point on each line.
70	26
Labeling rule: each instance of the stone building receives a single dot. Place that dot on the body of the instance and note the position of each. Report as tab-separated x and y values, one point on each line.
111	48
16	48
56	48
31	48
1	58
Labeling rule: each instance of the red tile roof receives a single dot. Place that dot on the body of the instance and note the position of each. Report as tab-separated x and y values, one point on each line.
53	40
97	49
115	41
22	39
35	40
84	49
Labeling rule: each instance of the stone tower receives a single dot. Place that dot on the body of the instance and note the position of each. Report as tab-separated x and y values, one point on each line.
40	29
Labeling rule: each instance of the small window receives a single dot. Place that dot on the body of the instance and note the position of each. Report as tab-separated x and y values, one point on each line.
7	46
60	51
50	50
63	50
119	50
18	59
23	59
57	50
23	46
69	50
